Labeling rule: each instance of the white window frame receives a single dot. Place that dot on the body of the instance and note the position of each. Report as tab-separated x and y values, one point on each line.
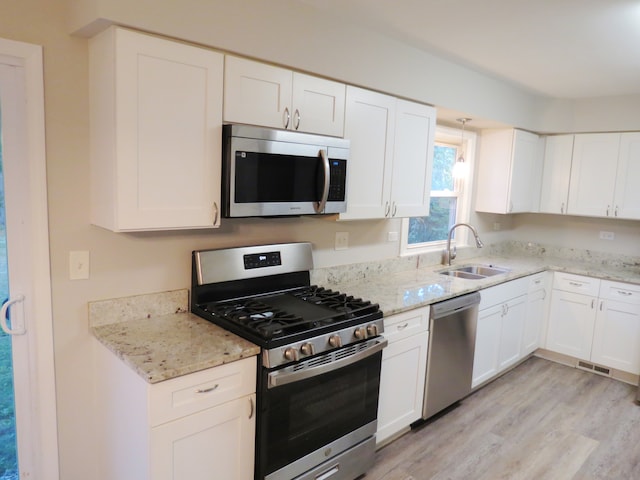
449	136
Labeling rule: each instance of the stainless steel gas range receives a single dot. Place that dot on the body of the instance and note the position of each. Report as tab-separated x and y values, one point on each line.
319	375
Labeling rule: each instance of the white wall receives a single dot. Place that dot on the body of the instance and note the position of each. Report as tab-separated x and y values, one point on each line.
284	32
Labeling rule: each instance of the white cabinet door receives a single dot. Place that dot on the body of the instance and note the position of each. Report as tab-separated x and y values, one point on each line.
213	444
536	314
485	359
259	94
256	93
556	172
401	384
627	193
412	159
370	126
616	339
511	331
318	105
392	148
402	377
571	324
156	126
593	174
509	171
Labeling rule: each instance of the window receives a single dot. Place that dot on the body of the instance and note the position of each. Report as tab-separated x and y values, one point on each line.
449	195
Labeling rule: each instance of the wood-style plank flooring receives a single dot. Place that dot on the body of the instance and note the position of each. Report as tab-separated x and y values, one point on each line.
540	421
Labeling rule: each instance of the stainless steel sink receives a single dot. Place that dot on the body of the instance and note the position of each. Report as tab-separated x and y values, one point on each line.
474	272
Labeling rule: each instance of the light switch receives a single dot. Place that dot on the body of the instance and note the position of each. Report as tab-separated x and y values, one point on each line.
79	265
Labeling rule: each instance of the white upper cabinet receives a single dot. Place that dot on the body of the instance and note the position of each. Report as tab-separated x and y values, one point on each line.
556	173
260	94
593	174
156	128
627	192
509	172
391	155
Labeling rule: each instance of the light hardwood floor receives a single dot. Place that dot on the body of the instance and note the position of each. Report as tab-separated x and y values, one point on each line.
540	421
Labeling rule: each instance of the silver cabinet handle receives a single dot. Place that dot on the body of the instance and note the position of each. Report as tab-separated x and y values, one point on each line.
287	117
402	327
208	390
544	294
215	213
296	119
387	208
576	284
615	213
17	324
601	303
395	209
626	294
252	407
319	206
608	207
593	302
562	208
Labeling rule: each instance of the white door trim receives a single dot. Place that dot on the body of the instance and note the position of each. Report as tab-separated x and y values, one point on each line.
43	444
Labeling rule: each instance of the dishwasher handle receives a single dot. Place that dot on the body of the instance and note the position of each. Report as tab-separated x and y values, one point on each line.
447	307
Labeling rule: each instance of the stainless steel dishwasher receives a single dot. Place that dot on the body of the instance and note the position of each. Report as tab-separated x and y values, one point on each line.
452	339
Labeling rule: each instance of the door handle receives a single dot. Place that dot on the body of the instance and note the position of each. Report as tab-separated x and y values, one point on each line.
18	326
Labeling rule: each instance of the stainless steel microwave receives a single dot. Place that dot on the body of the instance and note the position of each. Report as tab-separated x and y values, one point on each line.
268	172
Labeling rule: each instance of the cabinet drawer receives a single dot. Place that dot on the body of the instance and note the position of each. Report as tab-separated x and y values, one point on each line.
402	325
569	282
537	282
505	291
191	393
622	292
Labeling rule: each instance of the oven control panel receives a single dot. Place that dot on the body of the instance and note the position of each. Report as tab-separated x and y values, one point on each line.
294	352
260	260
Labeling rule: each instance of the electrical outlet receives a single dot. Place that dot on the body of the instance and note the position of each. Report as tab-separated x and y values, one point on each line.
342	240
496	226
607	235
392	236
79	265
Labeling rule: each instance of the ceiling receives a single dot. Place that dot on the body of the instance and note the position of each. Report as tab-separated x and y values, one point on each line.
557	48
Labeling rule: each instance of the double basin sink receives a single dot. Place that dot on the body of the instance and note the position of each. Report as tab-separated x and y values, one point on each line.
474	272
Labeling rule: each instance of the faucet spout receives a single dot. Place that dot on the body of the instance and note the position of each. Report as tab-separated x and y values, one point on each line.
448	255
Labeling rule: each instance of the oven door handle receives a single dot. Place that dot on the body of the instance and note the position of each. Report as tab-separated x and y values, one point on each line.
282	377
319	206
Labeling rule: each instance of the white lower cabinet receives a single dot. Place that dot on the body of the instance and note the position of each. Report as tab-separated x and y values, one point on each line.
199	426
213	443
502	317
402	378
538	299
595	321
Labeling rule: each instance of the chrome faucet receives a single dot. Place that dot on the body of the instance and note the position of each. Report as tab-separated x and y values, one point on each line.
448	255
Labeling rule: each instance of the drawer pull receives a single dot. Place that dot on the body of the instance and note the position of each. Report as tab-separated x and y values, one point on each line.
402	327
208	390
576	284
626	294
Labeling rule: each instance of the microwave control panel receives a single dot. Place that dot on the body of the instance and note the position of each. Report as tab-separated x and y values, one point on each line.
337	180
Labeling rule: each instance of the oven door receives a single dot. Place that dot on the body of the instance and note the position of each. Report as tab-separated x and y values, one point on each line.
317	409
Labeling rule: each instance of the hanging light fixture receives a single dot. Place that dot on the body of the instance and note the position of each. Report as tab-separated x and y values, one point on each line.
460	168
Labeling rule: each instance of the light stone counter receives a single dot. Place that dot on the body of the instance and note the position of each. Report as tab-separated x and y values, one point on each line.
157	337
397	288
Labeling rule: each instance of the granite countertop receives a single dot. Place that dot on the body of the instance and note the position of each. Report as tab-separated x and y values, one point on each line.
400	291
156	336
160	345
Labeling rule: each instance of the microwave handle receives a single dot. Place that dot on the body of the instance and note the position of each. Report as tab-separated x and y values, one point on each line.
319	206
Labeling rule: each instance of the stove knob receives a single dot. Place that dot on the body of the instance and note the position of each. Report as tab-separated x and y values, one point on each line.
361	333
335	341
372	330
307	349
291	354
